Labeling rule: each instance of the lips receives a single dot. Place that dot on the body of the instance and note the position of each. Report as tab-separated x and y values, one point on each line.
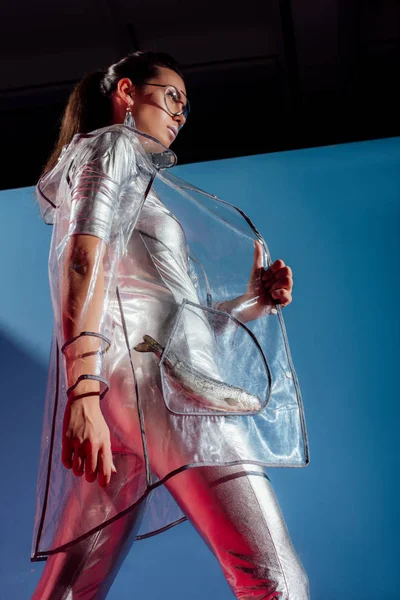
174	130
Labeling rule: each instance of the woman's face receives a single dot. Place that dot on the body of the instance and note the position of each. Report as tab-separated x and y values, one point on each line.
149	107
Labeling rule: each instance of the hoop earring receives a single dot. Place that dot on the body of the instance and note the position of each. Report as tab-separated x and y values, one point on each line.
129	120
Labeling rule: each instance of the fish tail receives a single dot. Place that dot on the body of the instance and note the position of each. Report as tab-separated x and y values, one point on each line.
149	345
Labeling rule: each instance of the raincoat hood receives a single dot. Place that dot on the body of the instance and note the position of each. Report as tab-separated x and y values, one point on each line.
48	186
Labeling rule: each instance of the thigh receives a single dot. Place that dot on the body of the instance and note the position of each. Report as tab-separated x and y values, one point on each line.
86	569
238	516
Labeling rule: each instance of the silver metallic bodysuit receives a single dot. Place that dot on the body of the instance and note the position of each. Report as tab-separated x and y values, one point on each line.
176	458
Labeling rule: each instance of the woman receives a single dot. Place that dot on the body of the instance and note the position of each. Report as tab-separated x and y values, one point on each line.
159	394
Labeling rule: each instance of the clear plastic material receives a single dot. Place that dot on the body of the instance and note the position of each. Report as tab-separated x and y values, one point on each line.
184	380
231	382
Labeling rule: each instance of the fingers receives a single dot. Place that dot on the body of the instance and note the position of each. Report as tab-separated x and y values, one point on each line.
258	262
88	459
91	463
278	280
283	296
104	462
278	268
284	282
67	451
79	458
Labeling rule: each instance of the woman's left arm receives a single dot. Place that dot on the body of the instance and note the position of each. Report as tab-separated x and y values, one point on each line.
265	289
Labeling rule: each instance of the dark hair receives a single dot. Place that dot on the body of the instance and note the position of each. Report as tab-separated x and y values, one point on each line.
89	106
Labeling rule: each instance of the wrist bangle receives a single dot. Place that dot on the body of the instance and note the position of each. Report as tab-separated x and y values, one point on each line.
91	333
101	393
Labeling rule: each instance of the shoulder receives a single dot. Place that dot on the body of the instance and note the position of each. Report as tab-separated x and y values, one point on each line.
111	138
110	149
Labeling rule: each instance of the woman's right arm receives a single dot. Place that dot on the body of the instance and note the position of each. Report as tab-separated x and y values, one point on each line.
86	437
91	231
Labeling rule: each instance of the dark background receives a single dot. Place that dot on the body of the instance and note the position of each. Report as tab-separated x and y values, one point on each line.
262	75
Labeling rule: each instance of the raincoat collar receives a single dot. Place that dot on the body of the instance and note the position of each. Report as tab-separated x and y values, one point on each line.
161	156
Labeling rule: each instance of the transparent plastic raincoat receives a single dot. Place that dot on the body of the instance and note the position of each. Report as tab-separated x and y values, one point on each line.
213	390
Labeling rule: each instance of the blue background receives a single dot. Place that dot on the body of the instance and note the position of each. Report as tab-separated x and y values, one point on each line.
332	214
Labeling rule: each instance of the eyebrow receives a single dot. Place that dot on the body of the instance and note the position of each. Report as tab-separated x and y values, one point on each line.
171	84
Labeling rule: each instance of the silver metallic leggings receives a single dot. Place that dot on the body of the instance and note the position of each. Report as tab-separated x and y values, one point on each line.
235	512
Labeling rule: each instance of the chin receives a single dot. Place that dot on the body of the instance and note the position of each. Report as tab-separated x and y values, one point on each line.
164	138
161	134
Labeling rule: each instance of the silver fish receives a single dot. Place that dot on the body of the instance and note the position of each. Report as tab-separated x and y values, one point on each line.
216	395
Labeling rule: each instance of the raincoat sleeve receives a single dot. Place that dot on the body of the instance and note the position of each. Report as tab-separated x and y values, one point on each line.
91	233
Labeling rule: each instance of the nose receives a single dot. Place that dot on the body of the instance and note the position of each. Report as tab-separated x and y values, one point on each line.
180	120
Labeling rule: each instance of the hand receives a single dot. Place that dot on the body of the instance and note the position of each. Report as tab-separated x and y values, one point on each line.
86	443
269	287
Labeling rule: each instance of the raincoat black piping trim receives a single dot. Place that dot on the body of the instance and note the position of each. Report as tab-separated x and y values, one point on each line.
182	519
50	458
148	476
184	190
191	256
296	385
152	237
169	177
249	221
42	193
140	414
161	530
141	421
43	554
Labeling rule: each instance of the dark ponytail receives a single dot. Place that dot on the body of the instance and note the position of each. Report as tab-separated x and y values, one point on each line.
89	106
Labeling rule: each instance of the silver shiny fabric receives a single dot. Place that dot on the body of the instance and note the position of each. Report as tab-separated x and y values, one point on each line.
235	512
169	255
